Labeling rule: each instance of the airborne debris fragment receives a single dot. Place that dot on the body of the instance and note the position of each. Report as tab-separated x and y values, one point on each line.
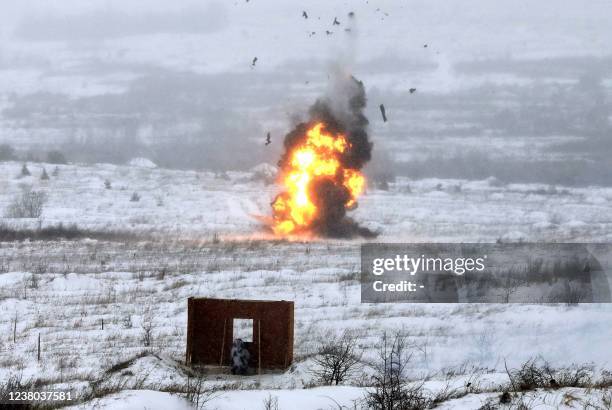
304	14
268	141
254	62
383	113
336	22
412	90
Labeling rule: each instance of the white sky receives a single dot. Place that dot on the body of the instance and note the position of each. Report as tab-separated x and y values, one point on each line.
234	31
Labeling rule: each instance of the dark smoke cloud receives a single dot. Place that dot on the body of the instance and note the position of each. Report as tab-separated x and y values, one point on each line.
342	113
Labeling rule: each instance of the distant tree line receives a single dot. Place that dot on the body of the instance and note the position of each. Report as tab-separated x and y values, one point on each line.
8	153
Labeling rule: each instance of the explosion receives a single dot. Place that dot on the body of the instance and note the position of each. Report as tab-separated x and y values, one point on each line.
320	169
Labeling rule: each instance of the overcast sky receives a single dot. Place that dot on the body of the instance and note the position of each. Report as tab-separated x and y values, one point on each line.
184	70
213	36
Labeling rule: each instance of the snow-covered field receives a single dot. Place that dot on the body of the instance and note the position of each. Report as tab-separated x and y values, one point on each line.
197	234
516	89
197	205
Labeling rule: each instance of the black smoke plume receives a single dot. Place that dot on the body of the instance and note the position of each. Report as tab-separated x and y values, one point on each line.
342	113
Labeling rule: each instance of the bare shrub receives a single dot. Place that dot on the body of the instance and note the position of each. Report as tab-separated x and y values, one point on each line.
197	392
391	389
147	327
571	295
29	204
108	384
605	380
65	364
606	399
505	397
124	364
270	402
337	359
13	383
4	264
161	273
581	376
33	282
489	405
536	374
25	172
448	393
529	376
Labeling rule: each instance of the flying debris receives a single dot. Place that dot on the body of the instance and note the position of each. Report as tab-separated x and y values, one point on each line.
268	141
348	30
254	62
329	33
304	14
412	90
336	22
383	112
424	45
351	14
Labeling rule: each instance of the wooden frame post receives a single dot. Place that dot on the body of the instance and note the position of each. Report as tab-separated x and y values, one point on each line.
259	347
223	341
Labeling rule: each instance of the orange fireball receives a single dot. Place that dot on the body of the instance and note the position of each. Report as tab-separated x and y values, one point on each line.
318	156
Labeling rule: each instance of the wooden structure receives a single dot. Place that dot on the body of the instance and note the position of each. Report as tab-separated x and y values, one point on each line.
210	327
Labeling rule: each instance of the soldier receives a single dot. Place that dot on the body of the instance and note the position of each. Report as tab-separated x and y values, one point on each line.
239	357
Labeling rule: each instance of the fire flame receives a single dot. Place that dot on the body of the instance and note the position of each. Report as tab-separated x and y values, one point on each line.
316	157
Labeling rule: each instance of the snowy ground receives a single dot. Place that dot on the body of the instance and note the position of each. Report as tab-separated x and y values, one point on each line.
199	237
516	89
195	205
